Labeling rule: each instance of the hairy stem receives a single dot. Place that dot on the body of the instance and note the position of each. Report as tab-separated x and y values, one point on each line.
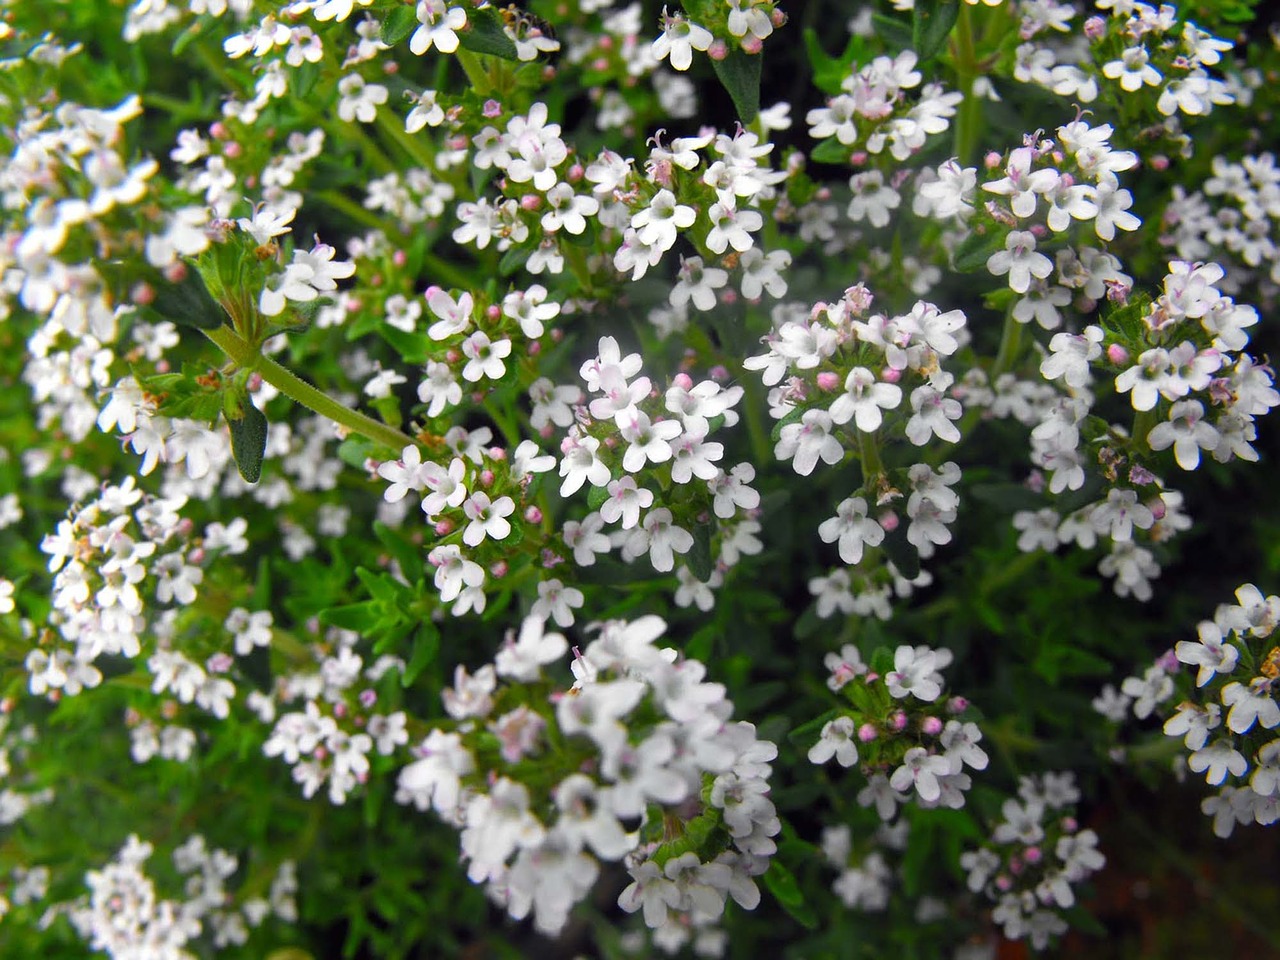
298	390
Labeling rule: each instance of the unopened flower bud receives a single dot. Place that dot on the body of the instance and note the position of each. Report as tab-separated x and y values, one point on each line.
142	294
931	726
176	272
1117	354
751	45
683	381
218	130
991	160
868	732
1033	854
828	380
399	258
957	704
492	109
533	515
1070	825
1003	883
890	375
1095	28
898	721
443	527
232	149
718	50
530	202
499	569
368	698
889	522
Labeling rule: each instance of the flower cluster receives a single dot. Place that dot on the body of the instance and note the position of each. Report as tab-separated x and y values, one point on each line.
1034	857
1224	719
637	761
909	742
124	916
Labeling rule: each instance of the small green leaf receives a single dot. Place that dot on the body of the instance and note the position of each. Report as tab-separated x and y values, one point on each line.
698	559
513	260
406	554
249	442
975	249
831	150
782	884
304	79
361	617
187	302
895	34
400	22
931	24
426	644
596	496
486	34
739	73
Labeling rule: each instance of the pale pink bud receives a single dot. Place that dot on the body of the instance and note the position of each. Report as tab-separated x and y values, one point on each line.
492	109
992	160
493	311
368	698
751	45
339	710
444	527
1033	854
142	294
533	515
718	50
958	704
499	569
828	380
931	726
576	173
535	348
530	202
1070	825
868	732
176	272
1117	354
218	130
890	375
232	149
718	373
898	721
889	522
1159	162
683	381
1095	28
399	258
1003	883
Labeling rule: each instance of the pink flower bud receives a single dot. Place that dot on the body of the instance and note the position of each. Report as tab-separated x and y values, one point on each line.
898	721
868	732
683	381
778	17
718	50
390	67
1015	866
530	202
535	348
890	375
1095	28
1159	162
486	478
1003	883
162	366
1039	230
339	710
889	522
196	555
931	726
728	295
492	109
992	160
399	258
254	383
957	705
322	753
870	677
499	569
1033	854
444	527
751	44
219	663
218	130
533	515
142	294
368	698
232	149
1117	354
176	272
576	173
1070	825
493	312
858	158
452	356
828	380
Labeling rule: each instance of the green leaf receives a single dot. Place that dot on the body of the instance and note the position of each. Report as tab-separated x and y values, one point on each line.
412	347
931	24
406	554
513	260
187	302
698	559
781	882
973	251
354	451
895	34
831	150
739	73
249	442
486	34
426	645
304	79
596	496
361	617
807	733
400	22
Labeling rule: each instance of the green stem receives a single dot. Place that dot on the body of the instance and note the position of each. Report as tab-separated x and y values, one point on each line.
362	215
475	71
969	116
869	453
1010	346
1143	423
298	390
392	127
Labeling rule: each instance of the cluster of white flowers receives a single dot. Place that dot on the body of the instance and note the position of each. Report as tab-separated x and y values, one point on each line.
124	916
874	112
647	769
1035	854
1226	717
331	738
914	745
111	557
1234	220
1138	48
746	23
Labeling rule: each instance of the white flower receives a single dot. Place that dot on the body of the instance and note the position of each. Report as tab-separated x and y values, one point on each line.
1020	261
488	518
836	740
679	39
438	27
852	528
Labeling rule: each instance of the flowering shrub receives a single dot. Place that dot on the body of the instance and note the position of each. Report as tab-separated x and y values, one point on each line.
508	412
